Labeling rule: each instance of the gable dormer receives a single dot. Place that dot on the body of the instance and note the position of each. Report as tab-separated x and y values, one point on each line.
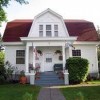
48	24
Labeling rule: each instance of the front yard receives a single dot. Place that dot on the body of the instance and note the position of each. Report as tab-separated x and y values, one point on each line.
16	91
89	91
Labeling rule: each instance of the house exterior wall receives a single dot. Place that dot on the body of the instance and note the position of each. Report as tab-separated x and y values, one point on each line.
47	19
89	52
10	55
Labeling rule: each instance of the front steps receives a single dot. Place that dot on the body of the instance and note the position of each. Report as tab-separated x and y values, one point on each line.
49	79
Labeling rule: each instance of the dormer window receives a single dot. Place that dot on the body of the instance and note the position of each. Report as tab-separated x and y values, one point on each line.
48	31
56	30
41	30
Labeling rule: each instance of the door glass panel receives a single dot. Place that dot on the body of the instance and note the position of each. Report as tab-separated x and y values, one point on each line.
48	59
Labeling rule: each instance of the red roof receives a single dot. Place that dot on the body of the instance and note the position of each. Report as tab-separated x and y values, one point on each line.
85	30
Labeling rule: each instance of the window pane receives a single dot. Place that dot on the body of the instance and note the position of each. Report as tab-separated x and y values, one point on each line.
40	27
48	59
20	56
48	27
56	33
48	33
20	60
55	27
41	33
76	52
20	53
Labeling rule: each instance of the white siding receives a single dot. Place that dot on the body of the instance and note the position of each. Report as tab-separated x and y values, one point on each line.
89	52
48	19
10	55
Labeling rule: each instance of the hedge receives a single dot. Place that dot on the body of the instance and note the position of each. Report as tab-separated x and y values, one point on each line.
77	68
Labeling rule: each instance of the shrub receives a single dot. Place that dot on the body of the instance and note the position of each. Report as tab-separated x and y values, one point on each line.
2	72
2	79
77	68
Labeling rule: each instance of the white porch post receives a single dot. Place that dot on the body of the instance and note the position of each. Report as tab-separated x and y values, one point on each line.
27	59
63	52
70	51
34	55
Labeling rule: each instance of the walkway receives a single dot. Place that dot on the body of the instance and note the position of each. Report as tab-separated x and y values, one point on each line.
48	93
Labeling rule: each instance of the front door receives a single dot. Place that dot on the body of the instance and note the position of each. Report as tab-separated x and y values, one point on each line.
48	62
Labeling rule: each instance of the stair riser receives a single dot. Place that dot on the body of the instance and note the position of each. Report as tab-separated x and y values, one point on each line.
49	78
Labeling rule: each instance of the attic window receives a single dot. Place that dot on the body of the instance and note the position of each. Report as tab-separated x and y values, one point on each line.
41	30
56	30
48	30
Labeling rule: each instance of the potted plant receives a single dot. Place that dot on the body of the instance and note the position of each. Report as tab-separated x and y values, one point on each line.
37	70
58	52
23	78
31	68
39	52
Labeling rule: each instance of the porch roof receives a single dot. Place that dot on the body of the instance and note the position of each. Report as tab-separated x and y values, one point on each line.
48	39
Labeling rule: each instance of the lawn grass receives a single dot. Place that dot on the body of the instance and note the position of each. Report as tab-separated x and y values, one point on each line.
94	82
90	92
16	91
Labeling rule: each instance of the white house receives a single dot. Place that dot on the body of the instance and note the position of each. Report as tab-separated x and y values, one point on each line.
48	33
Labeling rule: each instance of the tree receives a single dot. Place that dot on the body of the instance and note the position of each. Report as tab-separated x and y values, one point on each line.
1	46
5	3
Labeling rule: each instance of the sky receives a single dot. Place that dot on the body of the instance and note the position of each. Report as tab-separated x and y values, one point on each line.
69	9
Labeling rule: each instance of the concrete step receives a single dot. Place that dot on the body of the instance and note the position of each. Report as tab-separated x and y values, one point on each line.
49	78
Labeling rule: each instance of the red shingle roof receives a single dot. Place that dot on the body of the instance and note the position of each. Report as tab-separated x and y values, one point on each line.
20	28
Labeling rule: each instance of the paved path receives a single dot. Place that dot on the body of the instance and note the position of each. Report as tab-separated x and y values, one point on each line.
47	93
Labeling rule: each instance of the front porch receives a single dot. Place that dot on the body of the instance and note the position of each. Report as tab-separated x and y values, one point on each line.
46	57
49	56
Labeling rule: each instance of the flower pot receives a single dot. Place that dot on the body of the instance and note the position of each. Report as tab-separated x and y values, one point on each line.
23	80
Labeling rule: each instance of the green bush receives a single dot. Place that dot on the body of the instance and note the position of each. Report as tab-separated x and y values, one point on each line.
2	68
77	68
2	73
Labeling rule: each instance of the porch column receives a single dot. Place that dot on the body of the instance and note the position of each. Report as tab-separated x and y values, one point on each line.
27	59
70	51
63	52
34	55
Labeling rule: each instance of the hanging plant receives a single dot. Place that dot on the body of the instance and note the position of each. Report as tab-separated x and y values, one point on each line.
39	52
60	57
58	52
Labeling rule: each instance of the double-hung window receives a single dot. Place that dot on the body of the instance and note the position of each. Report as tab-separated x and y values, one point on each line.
76	53
48	31
40	30
20	56
56	30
